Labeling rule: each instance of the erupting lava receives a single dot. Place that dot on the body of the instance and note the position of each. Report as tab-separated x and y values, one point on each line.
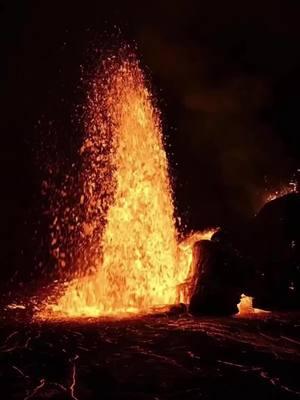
129	258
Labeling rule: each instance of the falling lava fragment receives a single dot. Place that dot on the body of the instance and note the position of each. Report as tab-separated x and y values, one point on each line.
131	243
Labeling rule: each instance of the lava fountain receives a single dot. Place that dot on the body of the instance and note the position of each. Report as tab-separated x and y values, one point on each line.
130	258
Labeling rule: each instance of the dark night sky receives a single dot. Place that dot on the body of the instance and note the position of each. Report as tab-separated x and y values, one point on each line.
226	75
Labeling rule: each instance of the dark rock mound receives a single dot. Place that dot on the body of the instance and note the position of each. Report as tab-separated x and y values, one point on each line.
216	287
274	247
259	257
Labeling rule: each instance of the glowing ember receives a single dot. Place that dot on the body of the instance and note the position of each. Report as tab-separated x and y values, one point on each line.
129	256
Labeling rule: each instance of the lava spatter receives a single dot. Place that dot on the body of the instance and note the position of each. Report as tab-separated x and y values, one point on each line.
128	240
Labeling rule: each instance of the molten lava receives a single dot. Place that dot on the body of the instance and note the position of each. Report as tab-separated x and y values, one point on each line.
245	307
129	256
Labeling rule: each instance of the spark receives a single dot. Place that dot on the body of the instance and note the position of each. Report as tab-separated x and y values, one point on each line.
20	371
15	306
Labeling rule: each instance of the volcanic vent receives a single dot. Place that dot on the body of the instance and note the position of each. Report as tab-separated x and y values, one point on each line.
129	256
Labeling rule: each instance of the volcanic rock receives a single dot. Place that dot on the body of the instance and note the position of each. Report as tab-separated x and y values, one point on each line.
217	282
264	252
275	248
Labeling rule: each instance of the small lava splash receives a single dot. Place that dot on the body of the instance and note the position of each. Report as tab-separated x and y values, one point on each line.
245	307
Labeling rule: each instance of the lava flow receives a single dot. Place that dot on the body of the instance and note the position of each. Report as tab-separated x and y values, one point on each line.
130	258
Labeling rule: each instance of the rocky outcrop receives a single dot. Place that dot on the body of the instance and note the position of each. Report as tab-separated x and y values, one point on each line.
274	248
216	287
261	258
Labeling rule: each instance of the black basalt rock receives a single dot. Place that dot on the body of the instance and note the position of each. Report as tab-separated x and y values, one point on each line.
217	281
274	246
259	257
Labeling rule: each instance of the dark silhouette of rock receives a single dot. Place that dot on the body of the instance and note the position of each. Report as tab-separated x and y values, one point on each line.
216	287
259	257
177	309
274	246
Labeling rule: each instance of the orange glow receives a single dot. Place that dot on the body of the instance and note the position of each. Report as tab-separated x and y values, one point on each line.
129	259
245	306
284	190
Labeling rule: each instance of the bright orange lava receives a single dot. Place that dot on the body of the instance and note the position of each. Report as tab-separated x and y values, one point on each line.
245	307
130	244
